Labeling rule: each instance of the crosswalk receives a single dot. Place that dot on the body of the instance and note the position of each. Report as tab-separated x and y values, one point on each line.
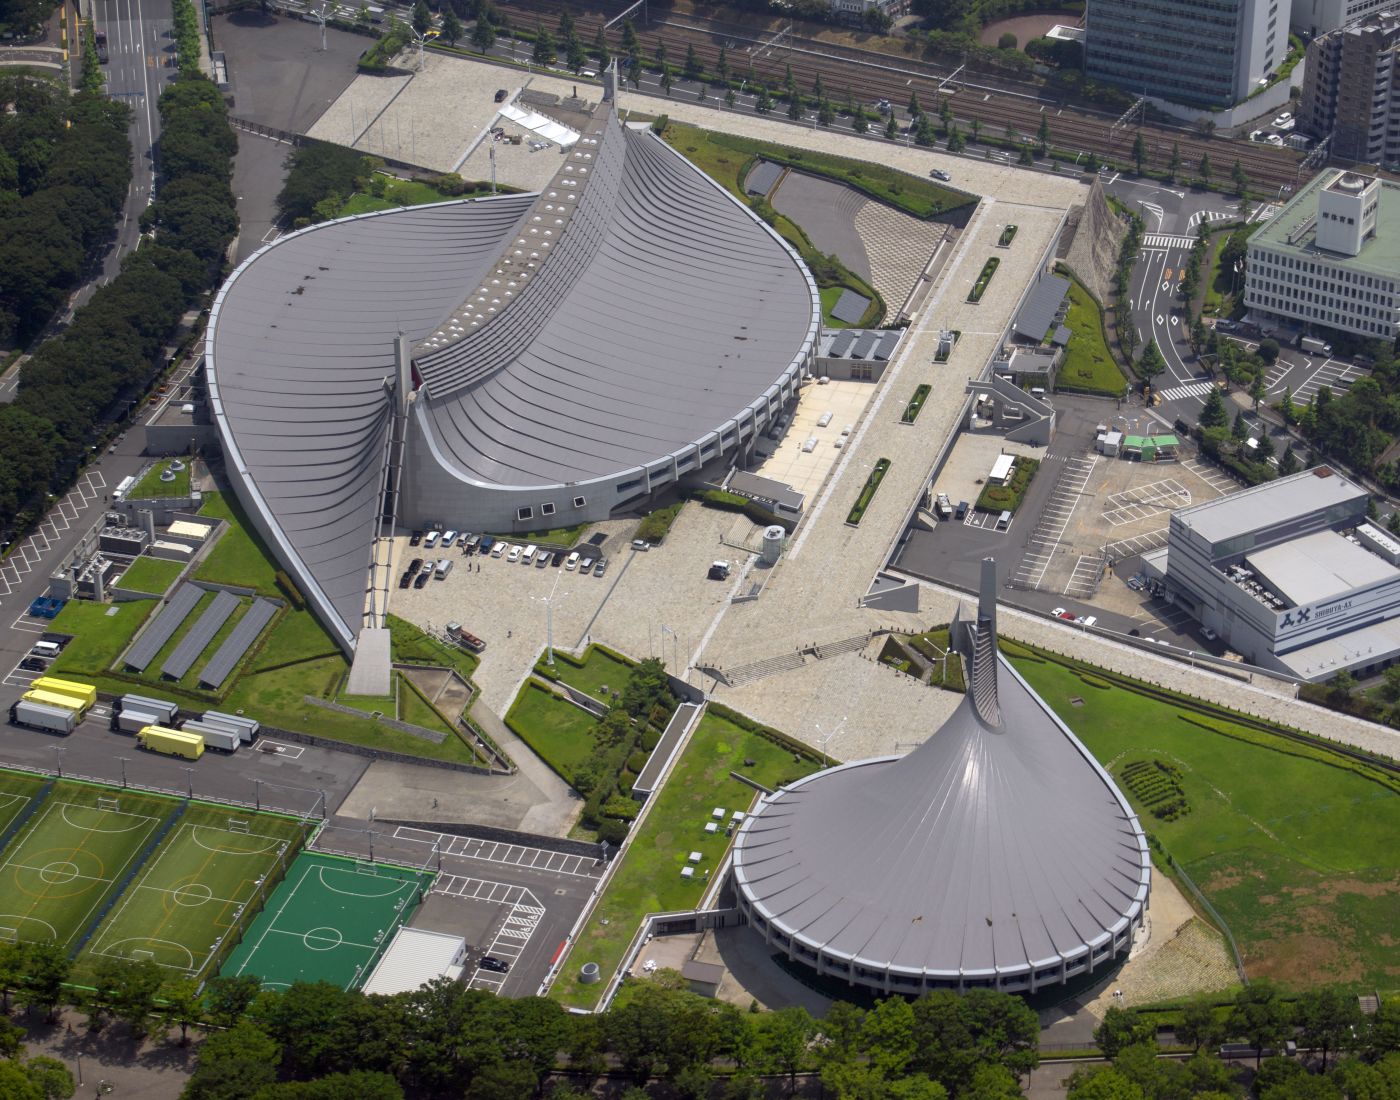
1165	240
1192	389
1209	215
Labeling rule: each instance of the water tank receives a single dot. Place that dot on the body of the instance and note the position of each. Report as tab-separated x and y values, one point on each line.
167	475
772	545
589	975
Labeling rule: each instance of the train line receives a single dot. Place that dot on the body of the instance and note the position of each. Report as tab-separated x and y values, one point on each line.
867	76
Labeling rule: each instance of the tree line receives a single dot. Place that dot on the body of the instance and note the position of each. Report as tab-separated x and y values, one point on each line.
106	359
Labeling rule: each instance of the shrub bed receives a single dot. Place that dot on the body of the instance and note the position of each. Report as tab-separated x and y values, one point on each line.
867	492
1007	498
1007	236
980	286
657	525
916	404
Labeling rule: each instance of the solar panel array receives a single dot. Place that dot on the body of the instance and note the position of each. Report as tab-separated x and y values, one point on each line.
167	622
200	635
237	643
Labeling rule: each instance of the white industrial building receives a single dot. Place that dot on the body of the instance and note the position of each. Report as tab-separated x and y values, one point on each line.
414	958
1314	17
1290	574
1331	258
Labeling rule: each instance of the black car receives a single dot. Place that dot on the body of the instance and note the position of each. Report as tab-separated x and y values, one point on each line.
490	962
405	580
32	664
415	565
559	556
501	94
415	539
961	512
422	578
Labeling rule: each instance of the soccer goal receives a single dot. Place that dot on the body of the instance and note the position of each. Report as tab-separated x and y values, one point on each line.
142	956
238	825
109	804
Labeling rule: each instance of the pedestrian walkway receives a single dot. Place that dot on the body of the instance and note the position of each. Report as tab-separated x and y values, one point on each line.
1193	389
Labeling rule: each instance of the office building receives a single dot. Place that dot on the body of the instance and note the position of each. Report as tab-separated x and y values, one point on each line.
1351	90
1317	17
1290	575
1202	53
997	855
1330	259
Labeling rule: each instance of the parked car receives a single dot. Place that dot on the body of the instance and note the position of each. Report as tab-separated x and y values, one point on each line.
586	565
559	556
501	94
719	571
1088	620
487	542
1282	120
961	512
415	565
490	962
431	539
422	579
640	544
448	538
571	562
939	174
514	554
32	664
499	548
600	567
415	538
1061	613
405	580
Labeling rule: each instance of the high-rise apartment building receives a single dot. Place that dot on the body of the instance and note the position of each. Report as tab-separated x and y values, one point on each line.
1352	90
1206	53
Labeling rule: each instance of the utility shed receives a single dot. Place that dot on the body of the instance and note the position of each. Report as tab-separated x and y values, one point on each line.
414	958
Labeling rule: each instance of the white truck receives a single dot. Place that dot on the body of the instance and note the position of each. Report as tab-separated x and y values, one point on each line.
131	720
214	738
41	716
943	506
1314	346
163	709
246	728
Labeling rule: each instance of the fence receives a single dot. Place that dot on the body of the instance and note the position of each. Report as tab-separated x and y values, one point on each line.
1214	916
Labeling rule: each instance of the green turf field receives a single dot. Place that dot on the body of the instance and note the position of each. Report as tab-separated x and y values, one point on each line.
327	921
16	791
195	886
68	857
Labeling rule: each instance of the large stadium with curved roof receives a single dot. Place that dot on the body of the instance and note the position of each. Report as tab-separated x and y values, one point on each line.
997	855
503	364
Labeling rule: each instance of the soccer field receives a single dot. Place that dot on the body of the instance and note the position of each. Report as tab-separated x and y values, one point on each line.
69	857
195	887
17	790
327	921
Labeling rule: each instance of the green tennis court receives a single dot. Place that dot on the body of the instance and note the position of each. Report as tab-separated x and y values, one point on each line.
195	887
17	790
68	857
327	922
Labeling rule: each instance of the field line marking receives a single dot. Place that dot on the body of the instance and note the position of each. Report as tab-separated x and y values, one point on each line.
273	923
65	806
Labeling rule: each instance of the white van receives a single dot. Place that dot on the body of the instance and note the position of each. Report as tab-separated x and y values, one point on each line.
529	554
571	562
431	539
444	567
46	649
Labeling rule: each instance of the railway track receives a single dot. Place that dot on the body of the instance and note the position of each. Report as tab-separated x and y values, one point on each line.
866	76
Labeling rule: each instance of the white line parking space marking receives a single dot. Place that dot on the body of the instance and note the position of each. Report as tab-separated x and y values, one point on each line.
27	557
1138	544
1084	582
1054	518
515	930
1146	501
515	855
1216	478
1337	377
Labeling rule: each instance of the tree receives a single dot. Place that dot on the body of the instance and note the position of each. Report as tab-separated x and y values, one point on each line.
1259	1017
233	1064
782	1038
483	36
630	41
1043	134
860	122
722	66
1174	163
763	104
665	78
729	97
956	142
1101	1083
1120	1028
50	1077
914	109
887	1034
544	51
422	17
974	129
356	1085
1288	464
825	113
891	128
1139	151
693	69
1205	167
575	56
182	1001
502	1080
47	968
992	1083
228	997
600	49
1258	390
1007	41
1287	408
1268	350
566	26
1240	428
1241	181
794	110
1328	1017
451	27
1150	363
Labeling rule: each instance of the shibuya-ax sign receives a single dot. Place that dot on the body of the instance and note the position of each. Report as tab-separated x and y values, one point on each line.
1296	618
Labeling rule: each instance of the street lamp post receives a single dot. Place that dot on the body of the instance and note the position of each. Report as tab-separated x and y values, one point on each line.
189	781
675	647
257	794
122	759
59	750
823	738
548	602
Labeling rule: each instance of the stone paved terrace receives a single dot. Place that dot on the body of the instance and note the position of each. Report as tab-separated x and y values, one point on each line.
814	592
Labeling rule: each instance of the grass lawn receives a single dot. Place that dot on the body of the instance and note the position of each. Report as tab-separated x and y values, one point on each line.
598	668
1088	367
151	486
1294	847
412	646
148	574
1219	299
238	558
100	632
1007	498
296	636
561	733
558	537
649	879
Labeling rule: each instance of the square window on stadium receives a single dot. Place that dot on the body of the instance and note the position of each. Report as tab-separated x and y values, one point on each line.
547	509
525	513
579	502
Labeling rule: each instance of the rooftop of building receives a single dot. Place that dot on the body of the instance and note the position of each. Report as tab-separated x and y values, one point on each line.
1294	229
1317	567
415	957
1268	504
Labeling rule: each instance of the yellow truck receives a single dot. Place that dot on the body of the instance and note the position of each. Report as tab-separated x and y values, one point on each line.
86	694
171	742
54	699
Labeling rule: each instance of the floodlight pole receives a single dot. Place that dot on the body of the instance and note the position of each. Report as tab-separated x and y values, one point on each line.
675	646
822	739
189	781
548	602
122	760
60	750
257	794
